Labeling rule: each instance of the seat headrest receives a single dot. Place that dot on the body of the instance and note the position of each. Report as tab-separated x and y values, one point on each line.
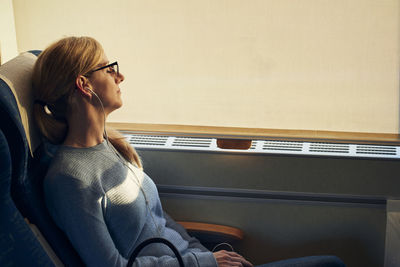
17	75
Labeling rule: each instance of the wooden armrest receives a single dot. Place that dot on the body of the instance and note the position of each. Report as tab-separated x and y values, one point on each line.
212	233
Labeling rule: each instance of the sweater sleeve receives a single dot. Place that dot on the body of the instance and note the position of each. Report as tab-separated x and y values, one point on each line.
201	259
78	210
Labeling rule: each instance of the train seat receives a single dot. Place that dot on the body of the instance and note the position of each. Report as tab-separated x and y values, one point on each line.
28	157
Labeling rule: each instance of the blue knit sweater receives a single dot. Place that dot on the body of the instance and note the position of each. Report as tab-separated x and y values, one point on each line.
107	209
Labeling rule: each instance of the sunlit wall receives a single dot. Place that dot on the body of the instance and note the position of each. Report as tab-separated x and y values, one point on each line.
283	64
8	40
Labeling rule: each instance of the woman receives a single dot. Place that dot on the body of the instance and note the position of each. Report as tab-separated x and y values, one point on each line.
95	189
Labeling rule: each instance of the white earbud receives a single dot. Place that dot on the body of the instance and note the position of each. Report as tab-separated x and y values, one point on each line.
88	89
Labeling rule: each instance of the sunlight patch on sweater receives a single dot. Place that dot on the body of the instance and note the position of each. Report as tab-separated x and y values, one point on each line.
128	191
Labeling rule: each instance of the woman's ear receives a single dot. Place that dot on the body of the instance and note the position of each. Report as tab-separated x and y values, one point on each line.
82	85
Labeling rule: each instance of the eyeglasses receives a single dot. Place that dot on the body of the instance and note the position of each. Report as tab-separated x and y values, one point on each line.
114	68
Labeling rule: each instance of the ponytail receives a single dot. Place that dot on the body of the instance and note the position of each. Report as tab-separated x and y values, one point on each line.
53	129
123	147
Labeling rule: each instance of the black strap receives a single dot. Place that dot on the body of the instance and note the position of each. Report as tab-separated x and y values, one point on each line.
155	240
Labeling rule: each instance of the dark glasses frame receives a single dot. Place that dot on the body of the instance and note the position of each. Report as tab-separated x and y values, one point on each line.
107	66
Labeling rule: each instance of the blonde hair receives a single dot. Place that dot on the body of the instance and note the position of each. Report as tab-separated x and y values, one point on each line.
53	81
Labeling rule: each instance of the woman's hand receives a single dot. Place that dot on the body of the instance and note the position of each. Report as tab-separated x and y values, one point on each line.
230	259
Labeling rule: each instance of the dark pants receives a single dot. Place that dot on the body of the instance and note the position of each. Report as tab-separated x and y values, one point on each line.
311	261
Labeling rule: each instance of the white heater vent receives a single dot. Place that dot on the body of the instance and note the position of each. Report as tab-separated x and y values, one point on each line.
329	148
264	147
254	145
381	150
282	146
191	142
147	140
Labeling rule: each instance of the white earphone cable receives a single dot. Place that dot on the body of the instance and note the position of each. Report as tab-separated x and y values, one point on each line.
123	161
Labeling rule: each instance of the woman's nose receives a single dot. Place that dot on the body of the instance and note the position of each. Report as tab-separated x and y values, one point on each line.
120	78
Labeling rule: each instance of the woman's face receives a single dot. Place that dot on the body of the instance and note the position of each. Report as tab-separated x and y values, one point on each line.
105	83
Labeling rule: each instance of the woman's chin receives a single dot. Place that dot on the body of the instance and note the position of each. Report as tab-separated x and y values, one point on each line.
119	105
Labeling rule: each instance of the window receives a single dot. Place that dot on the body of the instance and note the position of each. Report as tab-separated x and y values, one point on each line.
310	65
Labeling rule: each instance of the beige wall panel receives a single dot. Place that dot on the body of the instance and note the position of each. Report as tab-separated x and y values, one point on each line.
8	40
283	64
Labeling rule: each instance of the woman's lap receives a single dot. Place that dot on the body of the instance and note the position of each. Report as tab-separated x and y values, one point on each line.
311	261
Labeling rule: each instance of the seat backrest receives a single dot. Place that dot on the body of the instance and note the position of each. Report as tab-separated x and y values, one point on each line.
18	244
22	140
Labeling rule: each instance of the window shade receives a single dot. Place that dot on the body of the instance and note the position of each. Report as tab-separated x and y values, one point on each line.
277	64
